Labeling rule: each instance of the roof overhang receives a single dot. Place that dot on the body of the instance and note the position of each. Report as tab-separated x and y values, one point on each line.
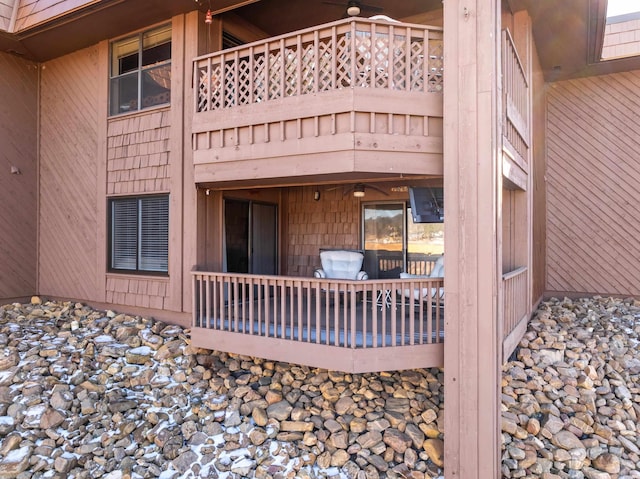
95	22
568	35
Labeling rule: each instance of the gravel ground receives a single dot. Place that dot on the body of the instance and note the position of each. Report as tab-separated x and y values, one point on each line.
89	394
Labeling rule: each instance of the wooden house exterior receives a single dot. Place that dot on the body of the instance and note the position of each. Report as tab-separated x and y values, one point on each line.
162	162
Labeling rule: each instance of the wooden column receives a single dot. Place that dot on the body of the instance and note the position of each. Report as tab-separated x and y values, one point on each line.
102	227
176	159
191	200
472	205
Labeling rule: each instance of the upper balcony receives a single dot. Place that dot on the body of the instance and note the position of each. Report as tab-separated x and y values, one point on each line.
350	97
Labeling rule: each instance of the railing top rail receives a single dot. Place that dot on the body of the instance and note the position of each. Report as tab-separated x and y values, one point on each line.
514	273
347	21
250	276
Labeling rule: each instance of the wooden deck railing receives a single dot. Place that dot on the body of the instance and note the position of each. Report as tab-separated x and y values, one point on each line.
514	298
352	53
341	313
516	99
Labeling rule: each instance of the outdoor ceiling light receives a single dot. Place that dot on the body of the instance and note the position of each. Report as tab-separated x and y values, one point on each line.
358	191
353	10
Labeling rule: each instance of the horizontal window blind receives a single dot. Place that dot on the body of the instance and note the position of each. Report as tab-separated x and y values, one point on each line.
124	234
140	234
154	234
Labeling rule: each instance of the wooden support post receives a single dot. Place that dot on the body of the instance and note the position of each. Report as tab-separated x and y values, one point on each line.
472	354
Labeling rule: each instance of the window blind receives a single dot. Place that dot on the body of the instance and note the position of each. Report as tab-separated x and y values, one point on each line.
154	233
140	234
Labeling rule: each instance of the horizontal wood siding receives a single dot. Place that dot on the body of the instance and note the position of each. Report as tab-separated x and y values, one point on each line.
33	12
18	133
68	170
138	153
593	174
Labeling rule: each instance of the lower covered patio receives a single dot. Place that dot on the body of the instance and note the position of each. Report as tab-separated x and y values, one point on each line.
346	325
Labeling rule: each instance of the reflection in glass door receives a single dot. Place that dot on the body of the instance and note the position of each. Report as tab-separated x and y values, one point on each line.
425	243
393	243
384	239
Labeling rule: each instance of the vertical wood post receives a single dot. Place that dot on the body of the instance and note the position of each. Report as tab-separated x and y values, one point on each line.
472	354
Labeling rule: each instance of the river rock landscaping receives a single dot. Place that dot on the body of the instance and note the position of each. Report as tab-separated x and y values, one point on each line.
571	398
88	394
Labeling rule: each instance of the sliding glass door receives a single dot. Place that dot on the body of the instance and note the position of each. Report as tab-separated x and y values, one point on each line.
383	239
250	237
393	243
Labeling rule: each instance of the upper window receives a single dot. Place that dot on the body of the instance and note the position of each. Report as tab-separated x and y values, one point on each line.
139	239
141	71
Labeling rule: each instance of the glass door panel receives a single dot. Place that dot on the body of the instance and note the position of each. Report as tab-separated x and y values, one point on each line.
425	242
384	240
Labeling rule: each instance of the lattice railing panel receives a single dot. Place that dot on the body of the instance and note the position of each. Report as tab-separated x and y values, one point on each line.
346	54
436	70
343	62
416	66
307	70
399	70
290	72
230	86
260	82
274	76
380	62
325	78
245	80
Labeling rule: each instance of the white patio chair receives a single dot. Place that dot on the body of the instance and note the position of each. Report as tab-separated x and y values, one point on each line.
341	264
426	294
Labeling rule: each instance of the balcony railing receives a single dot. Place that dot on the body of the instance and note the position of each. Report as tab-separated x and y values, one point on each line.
353	53
516	100
515	298
267	316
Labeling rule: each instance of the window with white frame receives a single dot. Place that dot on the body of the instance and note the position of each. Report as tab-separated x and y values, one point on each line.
139	234
140	74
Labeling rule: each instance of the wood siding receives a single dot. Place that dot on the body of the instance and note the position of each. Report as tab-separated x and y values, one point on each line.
138	153
68	171
331	222
18	214
593	174
33	12
86	158
138	291
138	163
6	11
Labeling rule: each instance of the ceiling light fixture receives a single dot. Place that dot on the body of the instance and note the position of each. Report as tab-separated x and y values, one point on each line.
353	9
358	191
